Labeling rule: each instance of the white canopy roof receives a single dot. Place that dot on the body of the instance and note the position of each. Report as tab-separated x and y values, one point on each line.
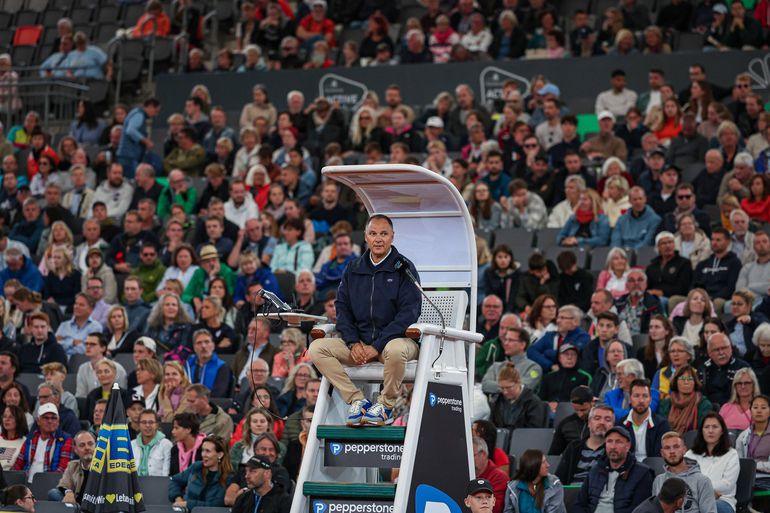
432	224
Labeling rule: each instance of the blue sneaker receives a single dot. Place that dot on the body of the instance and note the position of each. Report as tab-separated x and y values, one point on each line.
378	415
357	411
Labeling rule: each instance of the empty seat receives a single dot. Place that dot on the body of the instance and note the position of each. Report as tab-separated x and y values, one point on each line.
27	35
503	435
127	361
530	438
644	256
547	237
51	17
54	507
44	481
26	17
31	381
37	5
563	410
107	14
689	42
746	478
154	489
13	477
599	257
514	237
81	15
656	463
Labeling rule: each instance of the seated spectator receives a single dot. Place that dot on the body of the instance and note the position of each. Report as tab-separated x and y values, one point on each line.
668	274
41	347
718	371
517	406
152	450
13	432
203	483
256	422
690	241
20	267
171	395
582	454
573	280
638	306
615	273
486	213
47	436
210	267
605	326
294	254
748	443
628	492
15	395
574	426
73	481
293	351
149	374
717	460
530	475
71	334
541	278
187	442
154	21
330	276
213	419
737	411
510	40
292	396
261	489
627	372
605	144
744	321
206	367
85	60
487	431
637	226
568	331
106	374
615	198
525	209
62	282
681	353
755	276
96	348
415	51
558	386
168	323
685	407
587	226
707	182
514	343
542	316
736	182
502	277
573	186
212	315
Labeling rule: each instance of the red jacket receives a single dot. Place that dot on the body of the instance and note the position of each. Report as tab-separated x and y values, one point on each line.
32	160
499	481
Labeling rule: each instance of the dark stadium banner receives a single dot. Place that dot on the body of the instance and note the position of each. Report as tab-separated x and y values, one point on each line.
338	89
442	427
421	83
113	485
347	453
350	506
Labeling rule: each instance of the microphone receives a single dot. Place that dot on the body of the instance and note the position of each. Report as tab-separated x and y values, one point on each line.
275	300
402	265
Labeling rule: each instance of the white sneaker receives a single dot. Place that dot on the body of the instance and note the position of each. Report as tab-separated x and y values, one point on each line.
357	411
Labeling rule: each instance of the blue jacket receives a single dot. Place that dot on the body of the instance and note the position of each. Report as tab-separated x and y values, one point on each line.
376	304
331	273
134	130
28	275
264	276
633	486
28	233
197	491
544	351
216	375
634	232
499	187
599	227
614	398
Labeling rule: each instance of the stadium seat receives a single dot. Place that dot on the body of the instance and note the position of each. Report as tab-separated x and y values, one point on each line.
503	435
131	14
37	5
553	461
639	340
552	252
127	361
563	410
689	438
26	17
514	237
276	382
154	489
6	36
222	402
65	5
105	31
70	383
547	237
154	508
13	477
107	14
165	428
31	381
81	15
644	256
571	493
75	361
746	478
688	42
486	235
599	257
205	509
51	17
656	463
357	236
530	438
44	481
54	507
12	6
27	35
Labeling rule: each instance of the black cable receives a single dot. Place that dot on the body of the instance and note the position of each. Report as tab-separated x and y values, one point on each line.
255	315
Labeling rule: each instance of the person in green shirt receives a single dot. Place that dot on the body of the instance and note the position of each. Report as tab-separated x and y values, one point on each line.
150	270
210	268
177	192
189	156
491	351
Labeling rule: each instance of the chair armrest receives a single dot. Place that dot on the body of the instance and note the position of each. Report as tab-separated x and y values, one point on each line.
322	331
420	329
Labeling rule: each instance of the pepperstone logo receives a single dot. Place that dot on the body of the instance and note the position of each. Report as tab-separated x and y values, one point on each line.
335	448
347	92
432	399
492	79
350	506
363	454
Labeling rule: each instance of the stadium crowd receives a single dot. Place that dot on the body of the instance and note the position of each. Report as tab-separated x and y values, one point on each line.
624	274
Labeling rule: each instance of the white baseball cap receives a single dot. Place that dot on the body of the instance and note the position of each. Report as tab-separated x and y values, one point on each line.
47	408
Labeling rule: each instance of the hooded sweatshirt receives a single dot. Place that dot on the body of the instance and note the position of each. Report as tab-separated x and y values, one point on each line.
700	493
718	275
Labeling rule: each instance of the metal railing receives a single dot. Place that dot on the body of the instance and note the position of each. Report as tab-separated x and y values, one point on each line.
55	99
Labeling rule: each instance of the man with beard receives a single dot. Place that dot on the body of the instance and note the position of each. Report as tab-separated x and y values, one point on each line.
637	307
580	455
261	493
647	427
73	480
617	483
700	496
115	192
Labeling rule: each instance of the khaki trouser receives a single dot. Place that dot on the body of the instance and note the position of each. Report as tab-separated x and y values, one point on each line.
331	354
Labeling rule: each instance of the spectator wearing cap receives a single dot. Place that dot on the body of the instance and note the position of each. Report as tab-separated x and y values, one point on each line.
568	331
487	471
210	268
261	493
669	274
605	144
383	56
558	386
670	497
663	201
574	426
737	181
617	482
51	393
49	437
650	174
480	497
684	195
189	156
316	25
618	99
514	342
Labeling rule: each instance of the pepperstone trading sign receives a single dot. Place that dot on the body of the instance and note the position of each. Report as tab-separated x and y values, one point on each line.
347	453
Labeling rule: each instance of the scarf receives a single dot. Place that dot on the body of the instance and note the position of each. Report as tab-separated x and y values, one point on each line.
146	450
584	216
187	458
683	415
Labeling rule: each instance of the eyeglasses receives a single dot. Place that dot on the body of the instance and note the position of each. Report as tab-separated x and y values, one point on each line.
530	145
744	384
30	498
684	196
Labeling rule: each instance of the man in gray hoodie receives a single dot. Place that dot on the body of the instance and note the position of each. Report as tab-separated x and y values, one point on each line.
700	493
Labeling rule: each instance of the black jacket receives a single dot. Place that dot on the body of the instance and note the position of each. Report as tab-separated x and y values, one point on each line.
528	411
277	500
376	304
718	381
673	279
557	386
32	356
634	486
570	457
718	275
571	428
575	289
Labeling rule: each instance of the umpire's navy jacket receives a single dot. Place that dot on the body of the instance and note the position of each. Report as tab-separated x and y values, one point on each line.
375	304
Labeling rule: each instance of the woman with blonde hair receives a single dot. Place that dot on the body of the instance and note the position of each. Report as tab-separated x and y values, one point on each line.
697	307
168	323
588	226
613	166
59	237
364	128
149	375
63	281
292	352
121	339
615	201
212	315
615	273
737	411
171	393
292	396
690	241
